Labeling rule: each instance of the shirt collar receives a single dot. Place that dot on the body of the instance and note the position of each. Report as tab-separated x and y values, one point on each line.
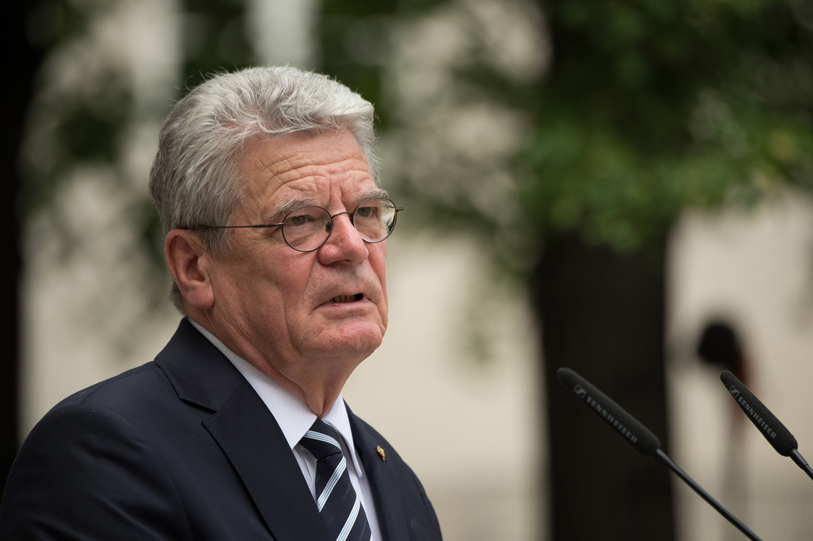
292	415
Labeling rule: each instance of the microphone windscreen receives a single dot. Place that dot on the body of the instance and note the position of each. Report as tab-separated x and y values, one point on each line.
619	420
775	432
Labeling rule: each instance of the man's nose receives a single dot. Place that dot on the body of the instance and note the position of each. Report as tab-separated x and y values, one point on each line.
345	242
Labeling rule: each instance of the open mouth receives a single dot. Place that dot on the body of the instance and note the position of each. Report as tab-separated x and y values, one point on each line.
347	298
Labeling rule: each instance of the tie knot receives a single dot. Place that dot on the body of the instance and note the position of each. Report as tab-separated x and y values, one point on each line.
322	440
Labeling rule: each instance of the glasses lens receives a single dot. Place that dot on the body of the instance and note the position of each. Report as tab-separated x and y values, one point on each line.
375	219
307	228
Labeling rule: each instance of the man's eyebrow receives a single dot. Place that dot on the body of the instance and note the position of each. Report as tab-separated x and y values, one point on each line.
291	204
375	193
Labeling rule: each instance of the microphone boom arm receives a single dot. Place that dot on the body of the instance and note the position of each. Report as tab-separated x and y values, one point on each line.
661	457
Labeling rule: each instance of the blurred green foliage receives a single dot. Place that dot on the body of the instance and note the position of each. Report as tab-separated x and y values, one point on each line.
650	107
73	121
355	45
214	38
85	180
84	122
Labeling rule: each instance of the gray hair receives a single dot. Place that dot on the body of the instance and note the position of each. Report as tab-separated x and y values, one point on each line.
194	179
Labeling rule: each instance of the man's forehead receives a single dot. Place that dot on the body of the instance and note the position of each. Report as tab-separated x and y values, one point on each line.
320	190
301	169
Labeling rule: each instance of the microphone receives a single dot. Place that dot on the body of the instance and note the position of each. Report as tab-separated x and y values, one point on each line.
637	435
771	428
619	420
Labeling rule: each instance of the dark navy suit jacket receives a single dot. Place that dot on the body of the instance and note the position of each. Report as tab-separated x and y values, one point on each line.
183	448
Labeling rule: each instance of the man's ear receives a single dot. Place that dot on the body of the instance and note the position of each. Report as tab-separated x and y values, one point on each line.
188	260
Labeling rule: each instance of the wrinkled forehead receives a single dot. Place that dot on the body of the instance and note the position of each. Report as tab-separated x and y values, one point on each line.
322	168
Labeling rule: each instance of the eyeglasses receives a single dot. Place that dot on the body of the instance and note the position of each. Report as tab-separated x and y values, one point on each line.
308	228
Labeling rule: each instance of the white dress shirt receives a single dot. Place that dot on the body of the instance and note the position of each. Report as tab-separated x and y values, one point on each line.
295	418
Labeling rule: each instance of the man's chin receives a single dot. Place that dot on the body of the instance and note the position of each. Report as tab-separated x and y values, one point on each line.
352	340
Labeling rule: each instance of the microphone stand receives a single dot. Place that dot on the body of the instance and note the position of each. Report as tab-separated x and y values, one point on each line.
661	457
801	462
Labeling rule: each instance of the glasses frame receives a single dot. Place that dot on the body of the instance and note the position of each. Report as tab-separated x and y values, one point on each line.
329	226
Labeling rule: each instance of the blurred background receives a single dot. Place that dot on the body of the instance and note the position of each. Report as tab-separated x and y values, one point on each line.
621	187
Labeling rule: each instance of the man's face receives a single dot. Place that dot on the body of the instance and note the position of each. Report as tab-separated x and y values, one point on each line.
301	313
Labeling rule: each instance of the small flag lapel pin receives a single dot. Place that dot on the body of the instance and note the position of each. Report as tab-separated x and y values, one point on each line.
381	453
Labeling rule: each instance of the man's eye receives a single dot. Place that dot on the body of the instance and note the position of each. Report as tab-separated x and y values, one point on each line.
297	220
308	217
364	212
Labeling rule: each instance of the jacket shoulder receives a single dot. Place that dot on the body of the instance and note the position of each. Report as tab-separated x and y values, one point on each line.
86	468
115	389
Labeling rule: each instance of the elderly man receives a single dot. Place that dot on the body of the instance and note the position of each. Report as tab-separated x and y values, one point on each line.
276	232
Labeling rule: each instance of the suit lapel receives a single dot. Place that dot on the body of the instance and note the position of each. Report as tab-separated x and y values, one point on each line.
246	432
383	483
259	452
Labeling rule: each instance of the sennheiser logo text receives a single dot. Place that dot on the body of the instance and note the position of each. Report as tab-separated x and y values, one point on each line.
759	421
610	418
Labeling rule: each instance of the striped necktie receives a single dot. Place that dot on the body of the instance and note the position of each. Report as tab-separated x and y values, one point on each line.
339	505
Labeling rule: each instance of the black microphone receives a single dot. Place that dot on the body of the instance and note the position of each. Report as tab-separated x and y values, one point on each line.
619	420
774	431
637	435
